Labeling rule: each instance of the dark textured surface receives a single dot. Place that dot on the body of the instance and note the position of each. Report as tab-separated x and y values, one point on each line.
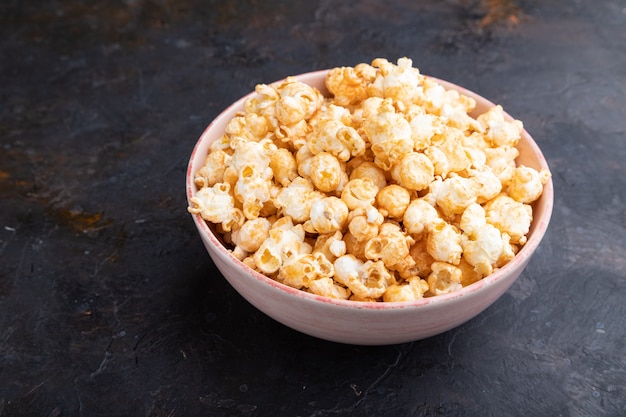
109	304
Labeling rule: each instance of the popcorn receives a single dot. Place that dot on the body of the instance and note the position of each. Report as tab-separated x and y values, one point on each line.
501	160
280	247
364	279
302	271
263	103
469	275
213	169
359	193
296	101
393	201
390	136
486	183
370	171
438	158
349	85
444	278
450	142
412	289
421	257
216	205
336	138
483	244
497	130
251	161
388	190
392	247
284	167
527	184
325	172
297	199
454	194
251	234
510	217
415	171
444	243
420	216
327	287
354	247
250	127
330	245
424	127
400	82
328	215
364	224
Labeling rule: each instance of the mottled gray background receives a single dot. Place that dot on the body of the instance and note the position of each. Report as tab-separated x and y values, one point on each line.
109	305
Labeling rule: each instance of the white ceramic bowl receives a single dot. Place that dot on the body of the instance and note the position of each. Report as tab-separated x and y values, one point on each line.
368	323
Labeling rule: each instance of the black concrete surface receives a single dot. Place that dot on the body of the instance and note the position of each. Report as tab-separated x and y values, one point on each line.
109	304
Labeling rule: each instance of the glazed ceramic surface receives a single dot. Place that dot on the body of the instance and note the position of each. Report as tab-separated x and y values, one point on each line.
368	323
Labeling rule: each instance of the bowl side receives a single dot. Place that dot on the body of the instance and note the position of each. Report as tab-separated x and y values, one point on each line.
361	324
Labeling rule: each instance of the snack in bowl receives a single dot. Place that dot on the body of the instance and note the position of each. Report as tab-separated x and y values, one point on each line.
367	185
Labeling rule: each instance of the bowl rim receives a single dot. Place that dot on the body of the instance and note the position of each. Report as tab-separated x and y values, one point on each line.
538	226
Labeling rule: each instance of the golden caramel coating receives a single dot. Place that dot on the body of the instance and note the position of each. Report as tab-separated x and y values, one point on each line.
415	171
420	216
331	245
444	278
251	234
325	172
387	190
482	243
501	161
424	127
336	138
454	194
371	171
410	290
527	184
328	215
327	287
250	127
354	247
296	199
486	184
391	246
263	103
366	280
372	106
390	136
284	167
279	247
213	169
393	201
296	101
510	217
422	258
444	243
359	193
451	144
469	275
300	271
216	205
497	130
438	158
399	82
349	85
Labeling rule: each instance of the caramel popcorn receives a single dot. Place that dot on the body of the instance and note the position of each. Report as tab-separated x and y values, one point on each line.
387	190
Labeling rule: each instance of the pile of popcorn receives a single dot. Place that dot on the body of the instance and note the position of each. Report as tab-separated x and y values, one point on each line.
388	190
